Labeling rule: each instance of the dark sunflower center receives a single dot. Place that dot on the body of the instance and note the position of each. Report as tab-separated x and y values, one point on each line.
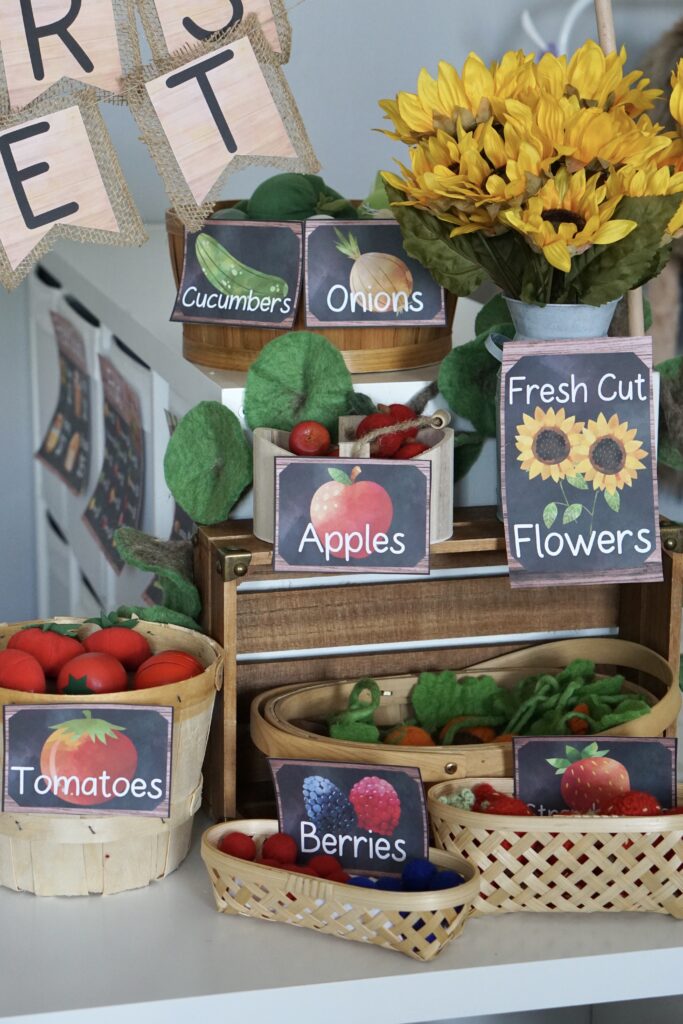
551	446
607	455
564	217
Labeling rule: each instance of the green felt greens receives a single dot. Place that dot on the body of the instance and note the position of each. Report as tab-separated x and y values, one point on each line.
292	196
298	376
158	613
170	560
208	462
468	379
357	722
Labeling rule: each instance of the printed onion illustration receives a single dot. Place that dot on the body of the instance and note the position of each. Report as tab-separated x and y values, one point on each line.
382	277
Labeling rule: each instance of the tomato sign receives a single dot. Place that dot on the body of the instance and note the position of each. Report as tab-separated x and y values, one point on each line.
84	758
352	515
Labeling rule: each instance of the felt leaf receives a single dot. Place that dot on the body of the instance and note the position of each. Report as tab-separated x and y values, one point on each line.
77	685
613	500
358	404
468	380
170	560
208	462
298	376
578	482
491	314
450	261
571	513
468	447
159	613
550	514
439	696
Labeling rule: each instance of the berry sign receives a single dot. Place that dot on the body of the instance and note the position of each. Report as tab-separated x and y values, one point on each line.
578	461
370	818
351	515
87	759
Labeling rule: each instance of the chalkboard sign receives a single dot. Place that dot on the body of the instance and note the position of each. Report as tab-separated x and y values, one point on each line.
578	462
246	273
355	515
370	817
87	759
359	275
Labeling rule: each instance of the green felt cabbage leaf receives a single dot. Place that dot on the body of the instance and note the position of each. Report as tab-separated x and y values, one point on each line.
440	696
468	380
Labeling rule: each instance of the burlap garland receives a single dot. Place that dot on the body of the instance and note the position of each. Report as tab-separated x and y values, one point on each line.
191	213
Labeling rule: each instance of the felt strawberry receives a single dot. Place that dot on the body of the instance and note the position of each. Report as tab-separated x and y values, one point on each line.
120	639
503	804
590	780
377	805
52	645
634	804
387	445
482	791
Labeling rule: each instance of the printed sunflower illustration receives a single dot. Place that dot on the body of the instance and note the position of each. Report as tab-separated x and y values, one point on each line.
547	443
609	454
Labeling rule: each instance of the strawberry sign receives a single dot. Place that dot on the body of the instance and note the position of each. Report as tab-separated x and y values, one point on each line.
355	515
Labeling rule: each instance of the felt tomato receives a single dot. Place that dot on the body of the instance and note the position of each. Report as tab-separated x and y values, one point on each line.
51	644
386	445
92	673
347	505
91	754
166	667
401	414
21	671
411	450
309	438
130	647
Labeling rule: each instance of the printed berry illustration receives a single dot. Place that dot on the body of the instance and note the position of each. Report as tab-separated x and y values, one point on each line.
326	806
377	805
348	505
88	755
590	780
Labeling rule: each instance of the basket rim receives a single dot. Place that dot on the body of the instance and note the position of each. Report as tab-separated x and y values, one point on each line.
564	823
435	900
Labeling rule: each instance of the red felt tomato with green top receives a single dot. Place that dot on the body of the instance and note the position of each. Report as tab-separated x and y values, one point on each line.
51	644
92	673
80	751
130	647
21	671
167	667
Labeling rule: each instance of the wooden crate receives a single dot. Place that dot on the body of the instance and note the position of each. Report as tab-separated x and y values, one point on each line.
282	628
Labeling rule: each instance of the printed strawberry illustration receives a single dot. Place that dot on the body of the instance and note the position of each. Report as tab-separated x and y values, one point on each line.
377	805
590	780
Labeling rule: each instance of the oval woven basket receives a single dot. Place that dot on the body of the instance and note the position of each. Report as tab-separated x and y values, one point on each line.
365	350
562	862
74	855
419	924
290	721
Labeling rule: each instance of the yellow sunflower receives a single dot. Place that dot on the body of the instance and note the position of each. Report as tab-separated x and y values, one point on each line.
599	77
566	216
676	100
609	454
547	442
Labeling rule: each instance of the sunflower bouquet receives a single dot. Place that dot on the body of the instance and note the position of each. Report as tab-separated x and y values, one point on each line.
548	176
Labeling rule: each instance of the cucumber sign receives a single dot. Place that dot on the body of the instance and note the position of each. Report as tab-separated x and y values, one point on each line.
242	273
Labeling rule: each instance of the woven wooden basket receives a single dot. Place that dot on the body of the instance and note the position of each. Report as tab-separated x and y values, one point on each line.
365	350
290	721
564	863
418	924
72	855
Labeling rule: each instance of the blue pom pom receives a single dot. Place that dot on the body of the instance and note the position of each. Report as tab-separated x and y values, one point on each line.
418	874
362	882
389	884
446	880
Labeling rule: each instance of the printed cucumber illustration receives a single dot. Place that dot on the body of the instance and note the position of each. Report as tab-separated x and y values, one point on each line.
231	277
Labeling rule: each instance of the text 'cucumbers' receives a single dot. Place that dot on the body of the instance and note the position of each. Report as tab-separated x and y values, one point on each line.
231	277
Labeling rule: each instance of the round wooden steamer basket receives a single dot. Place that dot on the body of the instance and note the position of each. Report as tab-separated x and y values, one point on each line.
566	863
419	924
283	720
74	855
365	350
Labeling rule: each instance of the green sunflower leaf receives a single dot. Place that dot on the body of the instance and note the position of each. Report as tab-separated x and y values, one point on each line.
578	482
571	513
550	514
613	500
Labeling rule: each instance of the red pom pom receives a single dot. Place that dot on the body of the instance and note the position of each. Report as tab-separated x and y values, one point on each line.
280	847
238	844
268	862
483	792
672	810
506	805
324	864
634	804
339	876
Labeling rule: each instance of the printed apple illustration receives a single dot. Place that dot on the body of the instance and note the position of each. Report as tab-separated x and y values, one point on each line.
348	505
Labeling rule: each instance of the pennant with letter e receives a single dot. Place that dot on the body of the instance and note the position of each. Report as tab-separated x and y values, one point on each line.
65	46
59	176
172	24
212	110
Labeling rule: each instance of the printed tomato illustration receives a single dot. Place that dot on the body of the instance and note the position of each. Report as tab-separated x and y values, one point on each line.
128	646
21	671
92	673
590	781
166	667
89	754
51	644
347	505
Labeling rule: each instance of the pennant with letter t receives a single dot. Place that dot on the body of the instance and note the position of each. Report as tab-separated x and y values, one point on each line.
213	109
